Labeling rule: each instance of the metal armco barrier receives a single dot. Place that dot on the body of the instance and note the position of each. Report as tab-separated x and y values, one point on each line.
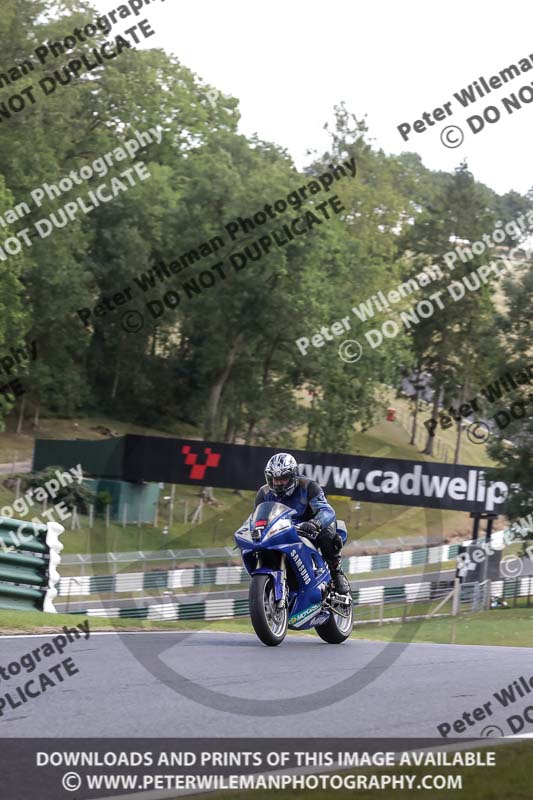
370	602
234	574
29	558
224	608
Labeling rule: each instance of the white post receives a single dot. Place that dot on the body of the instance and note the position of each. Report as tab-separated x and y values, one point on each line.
456	597
487	596
171	507
91	515
124	514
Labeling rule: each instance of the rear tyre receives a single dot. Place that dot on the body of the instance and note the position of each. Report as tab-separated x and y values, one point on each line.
269	623
337	629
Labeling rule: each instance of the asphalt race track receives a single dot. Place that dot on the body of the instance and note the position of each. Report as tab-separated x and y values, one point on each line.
174	684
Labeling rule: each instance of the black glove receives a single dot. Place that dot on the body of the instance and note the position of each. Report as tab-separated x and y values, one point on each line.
310	529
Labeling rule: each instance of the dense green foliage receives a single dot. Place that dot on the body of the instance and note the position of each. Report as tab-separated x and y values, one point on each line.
225	360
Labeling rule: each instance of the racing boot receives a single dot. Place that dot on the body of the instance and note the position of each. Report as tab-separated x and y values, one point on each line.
340	581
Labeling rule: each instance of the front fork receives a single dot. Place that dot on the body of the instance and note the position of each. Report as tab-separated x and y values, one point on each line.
280	578
283	602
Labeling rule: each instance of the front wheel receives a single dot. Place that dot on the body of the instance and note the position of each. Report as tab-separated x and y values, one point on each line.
269	622
337	629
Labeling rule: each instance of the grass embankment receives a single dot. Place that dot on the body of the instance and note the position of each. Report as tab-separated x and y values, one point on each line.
510	627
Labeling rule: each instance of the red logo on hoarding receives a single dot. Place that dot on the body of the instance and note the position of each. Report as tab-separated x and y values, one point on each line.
197	472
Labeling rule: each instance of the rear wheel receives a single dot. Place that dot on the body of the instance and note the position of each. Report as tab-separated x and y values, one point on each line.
269	622
337	629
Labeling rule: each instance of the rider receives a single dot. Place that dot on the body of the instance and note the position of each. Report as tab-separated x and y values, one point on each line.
315	517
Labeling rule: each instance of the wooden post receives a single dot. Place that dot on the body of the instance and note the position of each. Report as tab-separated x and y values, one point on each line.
107	515
124	514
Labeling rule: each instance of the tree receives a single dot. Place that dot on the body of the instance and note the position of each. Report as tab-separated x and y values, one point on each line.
447	344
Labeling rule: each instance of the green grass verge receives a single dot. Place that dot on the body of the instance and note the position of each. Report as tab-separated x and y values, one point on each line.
511	627
12	622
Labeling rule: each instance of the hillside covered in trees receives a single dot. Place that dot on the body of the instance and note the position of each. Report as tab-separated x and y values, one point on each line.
158	265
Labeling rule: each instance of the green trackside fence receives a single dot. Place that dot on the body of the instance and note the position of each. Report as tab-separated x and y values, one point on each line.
231	574
29	558
376	604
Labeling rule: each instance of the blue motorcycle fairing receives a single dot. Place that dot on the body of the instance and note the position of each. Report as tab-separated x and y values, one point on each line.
271	529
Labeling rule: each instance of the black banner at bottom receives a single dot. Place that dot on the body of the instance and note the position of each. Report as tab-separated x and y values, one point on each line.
93	769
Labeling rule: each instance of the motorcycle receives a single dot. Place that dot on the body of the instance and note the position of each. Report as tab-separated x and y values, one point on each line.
291	584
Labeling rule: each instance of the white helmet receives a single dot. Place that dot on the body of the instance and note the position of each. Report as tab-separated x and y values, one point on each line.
281	474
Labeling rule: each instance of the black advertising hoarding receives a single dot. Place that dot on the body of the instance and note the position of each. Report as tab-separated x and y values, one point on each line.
379	480
104	459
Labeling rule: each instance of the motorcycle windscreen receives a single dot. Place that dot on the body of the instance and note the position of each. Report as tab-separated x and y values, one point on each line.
269	512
